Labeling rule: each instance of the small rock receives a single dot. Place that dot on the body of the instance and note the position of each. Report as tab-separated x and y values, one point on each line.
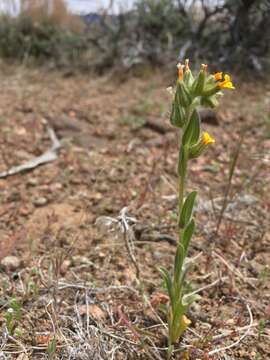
56	187
32	181
157	255
26	210
41	201
10	262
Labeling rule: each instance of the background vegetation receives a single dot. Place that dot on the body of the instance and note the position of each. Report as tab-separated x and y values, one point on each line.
231	33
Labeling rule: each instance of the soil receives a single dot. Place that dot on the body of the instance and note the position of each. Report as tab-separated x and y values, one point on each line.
75	284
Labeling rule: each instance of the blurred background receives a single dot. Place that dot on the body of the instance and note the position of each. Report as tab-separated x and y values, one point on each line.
101	34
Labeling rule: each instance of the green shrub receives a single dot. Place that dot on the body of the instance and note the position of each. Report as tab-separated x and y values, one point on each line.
43	40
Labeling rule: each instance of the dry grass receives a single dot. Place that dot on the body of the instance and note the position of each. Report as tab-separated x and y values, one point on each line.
54	11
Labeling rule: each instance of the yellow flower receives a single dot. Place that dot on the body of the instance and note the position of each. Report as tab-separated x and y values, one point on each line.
218	76
226	83
185	321
207	139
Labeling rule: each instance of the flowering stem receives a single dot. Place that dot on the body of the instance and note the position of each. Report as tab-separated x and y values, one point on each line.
189	94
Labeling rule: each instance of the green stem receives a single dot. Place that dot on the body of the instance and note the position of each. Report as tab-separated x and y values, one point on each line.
182	179
181	190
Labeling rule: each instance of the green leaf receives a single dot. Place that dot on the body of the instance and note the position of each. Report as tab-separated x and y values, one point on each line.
182	162
178	263
51	348
187	209
178	325
168	282
187	234
192	131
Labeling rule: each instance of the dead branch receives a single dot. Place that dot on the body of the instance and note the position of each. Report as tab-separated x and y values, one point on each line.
49	156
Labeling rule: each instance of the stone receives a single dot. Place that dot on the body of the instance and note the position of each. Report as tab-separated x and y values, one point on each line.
10	263
41	201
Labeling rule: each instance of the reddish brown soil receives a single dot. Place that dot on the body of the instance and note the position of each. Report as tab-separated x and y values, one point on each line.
76	282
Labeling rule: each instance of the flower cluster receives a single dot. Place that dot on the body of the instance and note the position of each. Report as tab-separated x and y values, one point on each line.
190	93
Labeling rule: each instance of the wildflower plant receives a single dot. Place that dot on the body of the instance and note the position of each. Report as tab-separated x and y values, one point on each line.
189	94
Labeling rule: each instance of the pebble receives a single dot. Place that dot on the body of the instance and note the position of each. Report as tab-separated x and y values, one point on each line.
157	255
32	181
56	187
41	201
10	263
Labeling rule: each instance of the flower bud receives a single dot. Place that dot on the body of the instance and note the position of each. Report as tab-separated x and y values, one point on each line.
177	117
188	77
182	95
199	83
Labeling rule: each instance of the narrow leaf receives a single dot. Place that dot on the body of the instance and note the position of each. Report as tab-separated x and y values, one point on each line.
187	234
168	282
182	162
187	209
178	263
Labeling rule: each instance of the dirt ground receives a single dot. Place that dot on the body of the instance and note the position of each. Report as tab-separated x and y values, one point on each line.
66	268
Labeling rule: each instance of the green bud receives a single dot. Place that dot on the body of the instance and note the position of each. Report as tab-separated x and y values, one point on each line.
178	115
192	131
209	101
199	83
196	150
188	79
182	95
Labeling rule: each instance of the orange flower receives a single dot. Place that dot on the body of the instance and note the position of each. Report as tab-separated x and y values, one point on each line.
218	76
180	71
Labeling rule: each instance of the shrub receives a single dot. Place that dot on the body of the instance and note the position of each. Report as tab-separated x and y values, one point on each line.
41	34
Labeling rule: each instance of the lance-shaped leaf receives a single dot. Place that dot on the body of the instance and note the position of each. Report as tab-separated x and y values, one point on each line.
192	131
168	282
182	161
178	262
187	209
187	234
